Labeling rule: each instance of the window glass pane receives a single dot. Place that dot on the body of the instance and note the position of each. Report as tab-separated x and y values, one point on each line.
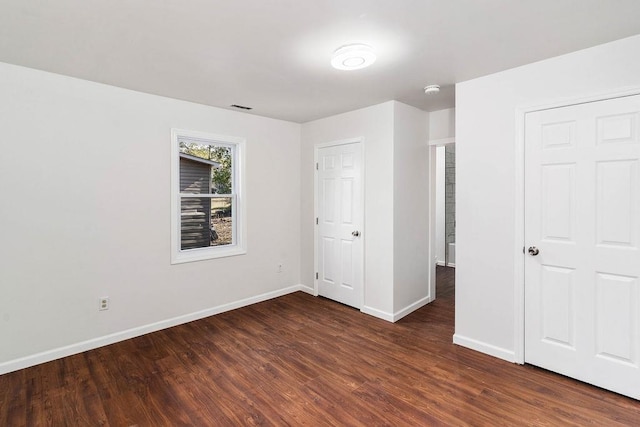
221	221
205	221
206	168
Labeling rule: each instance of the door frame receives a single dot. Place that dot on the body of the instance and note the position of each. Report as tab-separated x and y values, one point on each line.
519	261
316	150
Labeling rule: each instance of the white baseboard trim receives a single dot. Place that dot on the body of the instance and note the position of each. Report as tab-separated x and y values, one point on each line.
394	317
411	308
452	264
377	313
57	353
491	350
308	290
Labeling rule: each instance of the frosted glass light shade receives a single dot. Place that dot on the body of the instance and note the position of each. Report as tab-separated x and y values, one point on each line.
353	57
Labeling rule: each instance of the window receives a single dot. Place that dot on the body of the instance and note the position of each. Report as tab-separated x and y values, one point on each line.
207	206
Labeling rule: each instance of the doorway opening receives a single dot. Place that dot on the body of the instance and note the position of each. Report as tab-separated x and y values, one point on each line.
445	205
443	216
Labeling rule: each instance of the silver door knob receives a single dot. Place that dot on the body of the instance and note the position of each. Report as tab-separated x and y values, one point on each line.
355	233
533	251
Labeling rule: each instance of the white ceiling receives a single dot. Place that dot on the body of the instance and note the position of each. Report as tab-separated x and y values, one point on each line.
273	55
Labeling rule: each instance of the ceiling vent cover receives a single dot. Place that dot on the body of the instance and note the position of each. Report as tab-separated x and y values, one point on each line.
242	107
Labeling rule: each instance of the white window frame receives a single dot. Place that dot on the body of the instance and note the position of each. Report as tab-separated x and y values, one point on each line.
239	244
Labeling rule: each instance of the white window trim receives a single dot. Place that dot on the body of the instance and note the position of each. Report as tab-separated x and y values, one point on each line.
239	246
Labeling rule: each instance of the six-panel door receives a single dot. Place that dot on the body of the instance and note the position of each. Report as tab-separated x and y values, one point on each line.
340	220
582	211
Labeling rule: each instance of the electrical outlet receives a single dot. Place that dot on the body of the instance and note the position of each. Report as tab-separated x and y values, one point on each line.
280	268
103	303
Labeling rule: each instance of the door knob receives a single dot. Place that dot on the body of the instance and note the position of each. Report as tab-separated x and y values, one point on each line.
533	251
355	233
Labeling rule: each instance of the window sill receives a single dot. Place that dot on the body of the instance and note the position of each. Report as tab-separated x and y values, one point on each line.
203	254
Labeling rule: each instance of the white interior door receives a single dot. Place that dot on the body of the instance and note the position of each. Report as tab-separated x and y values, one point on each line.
340	221
582	213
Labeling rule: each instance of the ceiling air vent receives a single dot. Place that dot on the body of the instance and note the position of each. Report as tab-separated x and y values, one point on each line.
242	107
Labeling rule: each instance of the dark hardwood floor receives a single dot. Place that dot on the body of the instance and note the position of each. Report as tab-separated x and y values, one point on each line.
300	360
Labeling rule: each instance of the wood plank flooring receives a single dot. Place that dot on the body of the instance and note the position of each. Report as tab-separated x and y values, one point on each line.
299	360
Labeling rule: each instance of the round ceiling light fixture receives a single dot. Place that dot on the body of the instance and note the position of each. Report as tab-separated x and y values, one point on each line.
431	89
353	57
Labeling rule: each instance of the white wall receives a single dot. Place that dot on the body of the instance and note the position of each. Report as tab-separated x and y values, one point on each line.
411	209
486	192
375	124
84	177
442	124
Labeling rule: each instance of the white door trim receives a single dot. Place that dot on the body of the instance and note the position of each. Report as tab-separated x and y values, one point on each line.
520	114
316	149
433	144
